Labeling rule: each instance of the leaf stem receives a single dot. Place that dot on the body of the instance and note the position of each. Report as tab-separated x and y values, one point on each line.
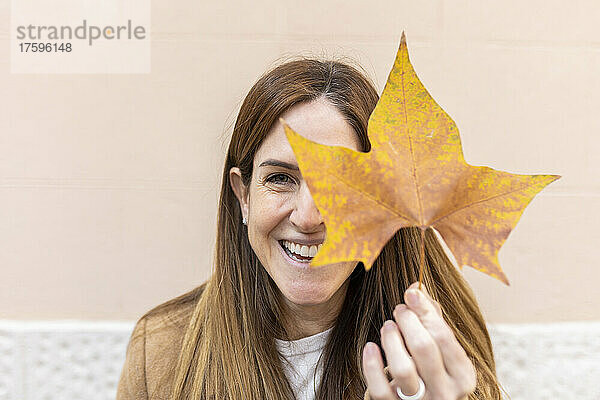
422	259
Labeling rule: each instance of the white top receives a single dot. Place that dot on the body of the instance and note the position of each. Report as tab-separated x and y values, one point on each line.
301	369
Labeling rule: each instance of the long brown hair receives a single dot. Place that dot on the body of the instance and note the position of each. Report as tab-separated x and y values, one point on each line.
229	351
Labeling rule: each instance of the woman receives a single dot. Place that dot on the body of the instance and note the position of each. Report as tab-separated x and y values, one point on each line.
265	325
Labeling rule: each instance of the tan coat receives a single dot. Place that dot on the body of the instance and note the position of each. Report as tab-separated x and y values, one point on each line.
152	354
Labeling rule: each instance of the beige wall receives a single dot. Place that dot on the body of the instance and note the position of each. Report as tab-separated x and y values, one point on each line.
109	183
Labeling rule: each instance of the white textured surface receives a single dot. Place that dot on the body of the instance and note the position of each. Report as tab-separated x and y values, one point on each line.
63	360
548	361
71	360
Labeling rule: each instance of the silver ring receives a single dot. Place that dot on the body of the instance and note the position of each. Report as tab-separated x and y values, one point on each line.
416	396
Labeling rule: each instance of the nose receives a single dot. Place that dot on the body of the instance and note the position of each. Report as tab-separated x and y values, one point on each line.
305	216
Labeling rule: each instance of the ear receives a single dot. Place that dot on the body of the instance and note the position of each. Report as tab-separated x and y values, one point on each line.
240	190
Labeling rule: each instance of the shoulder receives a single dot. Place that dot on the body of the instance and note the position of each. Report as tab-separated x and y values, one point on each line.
154	346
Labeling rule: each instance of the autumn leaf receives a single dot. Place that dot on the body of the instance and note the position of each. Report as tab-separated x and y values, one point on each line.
414	175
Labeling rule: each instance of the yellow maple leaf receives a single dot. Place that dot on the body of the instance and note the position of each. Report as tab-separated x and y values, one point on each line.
414	175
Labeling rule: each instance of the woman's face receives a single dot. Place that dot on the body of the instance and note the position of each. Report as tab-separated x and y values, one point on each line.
280	210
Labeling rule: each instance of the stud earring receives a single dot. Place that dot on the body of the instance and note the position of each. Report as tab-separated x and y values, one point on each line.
244	221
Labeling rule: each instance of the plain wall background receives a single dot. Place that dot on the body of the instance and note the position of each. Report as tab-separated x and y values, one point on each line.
109	183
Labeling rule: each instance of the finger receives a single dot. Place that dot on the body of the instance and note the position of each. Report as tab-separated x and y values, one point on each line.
423	349
453	355
415	285
377	383
401	366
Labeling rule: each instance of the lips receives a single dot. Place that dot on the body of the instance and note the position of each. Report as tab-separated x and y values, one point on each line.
292	259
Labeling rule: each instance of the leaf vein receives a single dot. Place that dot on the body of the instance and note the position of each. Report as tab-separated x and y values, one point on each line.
481	201
372	198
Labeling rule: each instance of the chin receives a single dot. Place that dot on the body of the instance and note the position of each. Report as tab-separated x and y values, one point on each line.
308	296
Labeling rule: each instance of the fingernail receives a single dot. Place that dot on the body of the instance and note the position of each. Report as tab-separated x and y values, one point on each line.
415	285
389	324
370	348
413	297
399	308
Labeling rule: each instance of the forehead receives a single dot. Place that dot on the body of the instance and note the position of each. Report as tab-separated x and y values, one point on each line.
318	121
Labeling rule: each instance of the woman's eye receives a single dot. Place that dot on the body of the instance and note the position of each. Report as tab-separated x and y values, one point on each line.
279	178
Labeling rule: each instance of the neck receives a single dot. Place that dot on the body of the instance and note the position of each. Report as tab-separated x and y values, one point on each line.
307	320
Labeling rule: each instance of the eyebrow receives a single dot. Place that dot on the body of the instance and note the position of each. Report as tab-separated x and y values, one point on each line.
278	163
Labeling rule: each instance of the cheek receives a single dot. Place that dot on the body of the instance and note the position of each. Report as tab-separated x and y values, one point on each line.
268	209
265	219
348	268
338	273
345	270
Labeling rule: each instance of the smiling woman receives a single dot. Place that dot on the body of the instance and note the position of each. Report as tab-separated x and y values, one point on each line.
284	224
268	326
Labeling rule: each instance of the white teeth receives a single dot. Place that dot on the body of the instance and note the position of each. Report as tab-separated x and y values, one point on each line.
303	250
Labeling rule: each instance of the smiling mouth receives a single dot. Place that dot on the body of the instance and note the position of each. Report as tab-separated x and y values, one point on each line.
294	256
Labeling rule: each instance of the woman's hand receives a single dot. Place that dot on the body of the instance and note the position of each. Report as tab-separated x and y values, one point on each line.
418	344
